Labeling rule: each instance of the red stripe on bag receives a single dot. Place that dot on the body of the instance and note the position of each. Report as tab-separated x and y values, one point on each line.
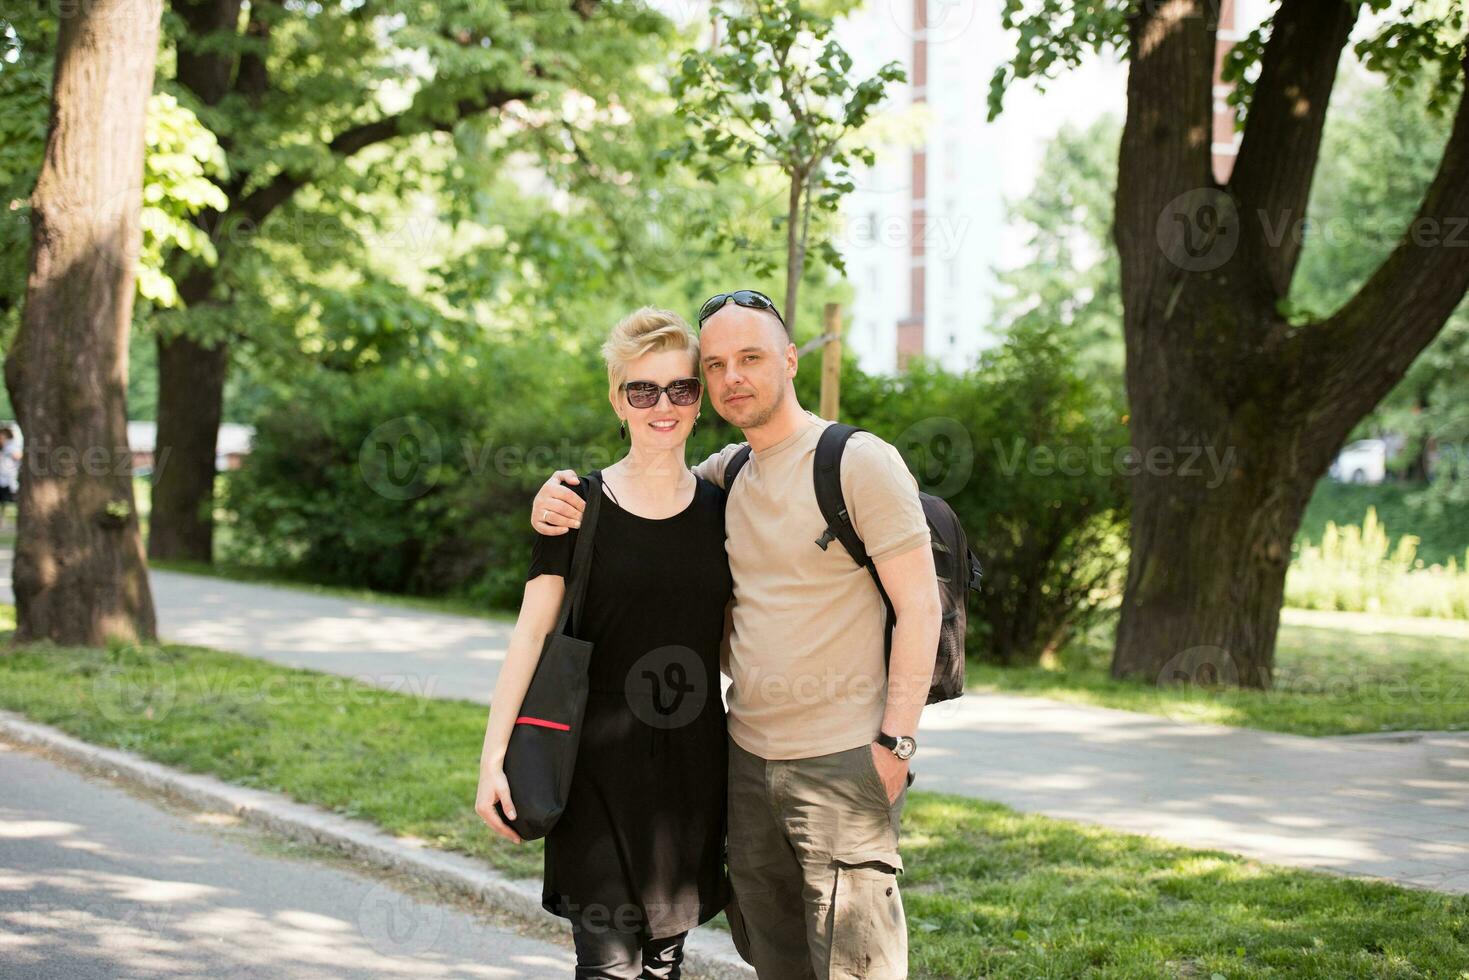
542	723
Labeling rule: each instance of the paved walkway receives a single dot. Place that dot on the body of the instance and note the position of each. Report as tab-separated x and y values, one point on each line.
100	883
1394	807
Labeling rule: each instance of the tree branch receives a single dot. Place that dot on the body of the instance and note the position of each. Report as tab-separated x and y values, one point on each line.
1366	346
252	80
1272	176
259	203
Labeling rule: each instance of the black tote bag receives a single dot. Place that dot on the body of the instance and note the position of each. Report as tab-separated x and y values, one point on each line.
541	753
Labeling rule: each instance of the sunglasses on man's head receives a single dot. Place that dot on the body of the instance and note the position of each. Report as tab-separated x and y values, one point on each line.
645	394
751	299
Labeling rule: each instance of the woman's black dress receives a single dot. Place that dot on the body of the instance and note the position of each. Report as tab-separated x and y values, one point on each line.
640	846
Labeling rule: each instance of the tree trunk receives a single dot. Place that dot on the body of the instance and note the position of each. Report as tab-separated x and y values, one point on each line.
1218	493
1212	366
80	576
191	375
190	404
795	252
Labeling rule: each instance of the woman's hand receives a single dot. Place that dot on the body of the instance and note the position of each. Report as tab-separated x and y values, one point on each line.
495	788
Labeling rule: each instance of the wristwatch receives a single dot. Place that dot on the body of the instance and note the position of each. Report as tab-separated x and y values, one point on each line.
902	746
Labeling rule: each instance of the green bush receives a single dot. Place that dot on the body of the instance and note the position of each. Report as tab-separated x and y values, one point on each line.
1358	569
1023	448
413	480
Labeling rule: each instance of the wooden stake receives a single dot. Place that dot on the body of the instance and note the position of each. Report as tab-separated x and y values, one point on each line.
831	364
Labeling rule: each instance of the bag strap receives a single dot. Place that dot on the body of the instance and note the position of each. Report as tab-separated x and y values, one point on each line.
736	463
573	603
827	474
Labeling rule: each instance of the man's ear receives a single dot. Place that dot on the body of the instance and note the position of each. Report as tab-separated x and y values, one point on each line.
793	360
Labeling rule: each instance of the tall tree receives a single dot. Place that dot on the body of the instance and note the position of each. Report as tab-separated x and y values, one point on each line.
1216	361
79	574
777	91
295	94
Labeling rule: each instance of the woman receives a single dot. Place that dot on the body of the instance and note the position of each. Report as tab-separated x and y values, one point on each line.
636	859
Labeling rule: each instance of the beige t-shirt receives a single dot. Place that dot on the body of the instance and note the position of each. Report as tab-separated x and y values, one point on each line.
806	658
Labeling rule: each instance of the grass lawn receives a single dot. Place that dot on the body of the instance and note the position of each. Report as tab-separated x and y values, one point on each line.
1327	682
989	892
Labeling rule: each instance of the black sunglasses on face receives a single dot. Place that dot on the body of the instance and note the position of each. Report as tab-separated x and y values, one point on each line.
751	299
645	394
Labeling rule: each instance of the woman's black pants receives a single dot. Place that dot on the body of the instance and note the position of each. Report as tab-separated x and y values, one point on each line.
607	954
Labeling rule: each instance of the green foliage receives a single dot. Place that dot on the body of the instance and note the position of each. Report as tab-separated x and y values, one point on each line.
1052	37
1441	536
1412	40
1379	154
410	480
1423	42
1358	569
182	168
180	173
25	94
1024	448
777	90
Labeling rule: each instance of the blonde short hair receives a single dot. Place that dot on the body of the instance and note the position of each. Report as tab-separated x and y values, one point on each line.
646	331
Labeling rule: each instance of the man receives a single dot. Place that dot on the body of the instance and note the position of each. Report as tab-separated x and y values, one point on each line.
9	471
820	730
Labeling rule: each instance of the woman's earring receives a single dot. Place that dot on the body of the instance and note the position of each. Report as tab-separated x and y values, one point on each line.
622	428
694	428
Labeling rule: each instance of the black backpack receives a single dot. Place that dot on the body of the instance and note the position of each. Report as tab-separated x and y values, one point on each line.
955	564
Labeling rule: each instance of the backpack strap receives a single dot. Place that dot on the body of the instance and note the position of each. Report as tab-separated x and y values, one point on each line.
736	463
827	474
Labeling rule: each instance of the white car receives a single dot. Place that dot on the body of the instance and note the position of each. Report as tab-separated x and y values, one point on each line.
1364	461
